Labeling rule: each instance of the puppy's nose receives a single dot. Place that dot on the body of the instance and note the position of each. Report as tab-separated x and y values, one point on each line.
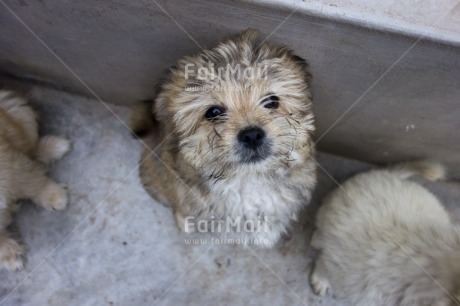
251	137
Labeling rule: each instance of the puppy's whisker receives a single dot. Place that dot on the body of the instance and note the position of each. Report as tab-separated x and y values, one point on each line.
212	143
217	133
211	149
289	122
283	135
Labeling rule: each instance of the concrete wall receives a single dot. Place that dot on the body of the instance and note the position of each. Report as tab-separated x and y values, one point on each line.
406	89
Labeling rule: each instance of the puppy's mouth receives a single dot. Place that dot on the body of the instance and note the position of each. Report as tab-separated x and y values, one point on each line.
252	156
252	145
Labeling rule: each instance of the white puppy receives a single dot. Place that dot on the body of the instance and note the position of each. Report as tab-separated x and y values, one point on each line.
385	240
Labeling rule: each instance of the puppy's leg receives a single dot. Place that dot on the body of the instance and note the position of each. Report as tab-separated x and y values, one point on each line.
35	185
51	197
45	192
51	148
21	126
318	278
315	241
182	223
10	252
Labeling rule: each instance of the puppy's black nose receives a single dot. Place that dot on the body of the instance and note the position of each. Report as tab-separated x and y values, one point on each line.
251	137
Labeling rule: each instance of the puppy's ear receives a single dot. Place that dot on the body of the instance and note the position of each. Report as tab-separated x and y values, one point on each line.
302	63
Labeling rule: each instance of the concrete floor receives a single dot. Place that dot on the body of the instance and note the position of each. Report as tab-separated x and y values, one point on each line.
114	245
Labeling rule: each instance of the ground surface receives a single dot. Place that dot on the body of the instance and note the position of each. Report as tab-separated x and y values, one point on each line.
114	245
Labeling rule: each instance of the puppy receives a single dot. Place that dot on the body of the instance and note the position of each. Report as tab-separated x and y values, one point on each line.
385	240
23	156
232	140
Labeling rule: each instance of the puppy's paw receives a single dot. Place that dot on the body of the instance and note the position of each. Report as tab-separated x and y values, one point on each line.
52	148
182	224
53	197
11	255
319	286
319	282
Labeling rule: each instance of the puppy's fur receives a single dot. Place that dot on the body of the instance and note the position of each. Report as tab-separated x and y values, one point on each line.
23	156
385	240
202	170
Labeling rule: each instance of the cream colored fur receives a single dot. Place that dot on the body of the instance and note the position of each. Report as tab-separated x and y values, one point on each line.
23	156
385	240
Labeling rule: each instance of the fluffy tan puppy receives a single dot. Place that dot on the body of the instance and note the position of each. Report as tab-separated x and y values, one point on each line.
385	240
23	156
233	130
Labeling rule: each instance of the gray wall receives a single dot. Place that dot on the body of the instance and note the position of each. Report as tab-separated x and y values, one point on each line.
120	48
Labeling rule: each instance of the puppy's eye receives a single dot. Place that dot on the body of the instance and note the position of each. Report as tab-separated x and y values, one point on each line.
271	102
213	112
